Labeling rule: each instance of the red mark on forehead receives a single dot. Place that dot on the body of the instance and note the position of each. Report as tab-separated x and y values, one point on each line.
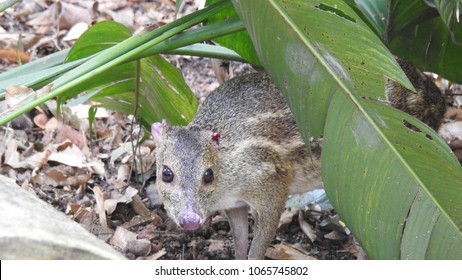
216	136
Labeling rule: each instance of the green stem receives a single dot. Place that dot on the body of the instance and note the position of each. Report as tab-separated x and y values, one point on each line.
7	3
208	32
205	50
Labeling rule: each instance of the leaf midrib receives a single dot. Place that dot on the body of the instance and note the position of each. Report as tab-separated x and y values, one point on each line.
360	107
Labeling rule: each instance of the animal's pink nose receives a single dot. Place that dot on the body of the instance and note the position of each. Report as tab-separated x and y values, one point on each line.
190	221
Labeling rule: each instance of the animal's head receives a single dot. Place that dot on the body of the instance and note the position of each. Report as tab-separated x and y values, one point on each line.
187	171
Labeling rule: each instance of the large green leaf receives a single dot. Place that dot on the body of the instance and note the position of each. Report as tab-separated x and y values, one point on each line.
312	51
450	13
414	31
99	37
401	190
388	18
430	47
398	189
162	92
405	13
42	71
374	13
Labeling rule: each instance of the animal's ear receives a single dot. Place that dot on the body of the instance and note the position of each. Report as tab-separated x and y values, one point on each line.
158	129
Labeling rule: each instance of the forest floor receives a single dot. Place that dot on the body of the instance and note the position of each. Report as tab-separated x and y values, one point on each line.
92	179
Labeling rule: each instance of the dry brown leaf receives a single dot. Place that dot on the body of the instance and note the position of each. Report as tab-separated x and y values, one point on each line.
61	176
453	113
116	133
87	218
42	18
287	217
14	55
451	131
458	101
72	208
97	167
67	15
10	40
139	247
216	245
41	120
335	235
138	221
145	159
76	211
76	31
158	255
51	125
66	132
99	196
353	247
314	210
6	136
123	172
15	94
121	237
124	16
68	154
286	252
139	207
81	111
306	228
14	159
118	197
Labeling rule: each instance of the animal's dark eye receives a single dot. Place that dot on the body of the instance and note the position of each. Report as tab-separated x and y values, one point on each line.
167	174
208	176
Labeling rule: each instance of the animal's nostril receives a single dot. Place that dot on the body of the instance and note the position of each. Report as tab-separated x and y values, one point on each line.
190	221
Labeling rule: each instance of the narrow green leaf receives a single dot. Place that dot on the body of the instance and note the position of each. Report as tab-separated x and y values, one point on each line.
7	3
45	70
36	65
206	50
37	73
429	46
189	37
449	11
116	55
314	51
179	3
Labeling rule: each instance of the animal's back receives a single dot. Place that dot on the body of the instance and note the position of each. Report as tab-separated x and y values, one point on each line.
251	114
248	107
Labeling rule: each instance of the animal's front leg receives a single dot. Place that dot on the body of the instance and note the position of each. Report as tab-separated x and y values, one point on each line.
239	222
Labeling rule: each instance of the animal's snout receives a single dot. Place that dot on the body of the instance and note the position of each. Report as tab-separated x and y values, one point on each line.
190	221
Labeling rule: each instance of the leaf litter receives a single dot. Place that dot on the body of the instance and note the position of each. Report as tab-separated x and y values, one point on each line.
92	179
